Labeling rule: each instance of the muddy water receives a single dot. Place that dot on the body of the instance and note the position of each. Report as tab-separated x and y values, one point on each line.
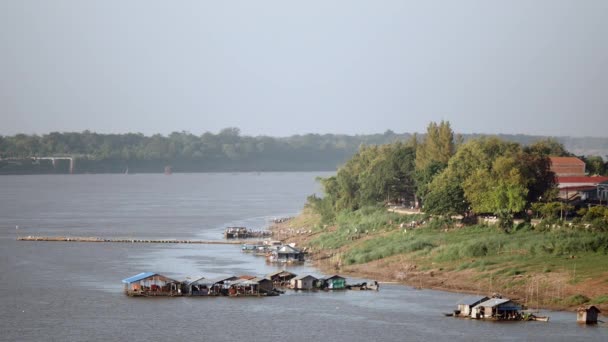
61	291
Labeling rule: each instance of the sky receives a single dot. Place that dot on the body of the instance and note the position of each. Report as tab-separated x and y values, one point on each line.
285	67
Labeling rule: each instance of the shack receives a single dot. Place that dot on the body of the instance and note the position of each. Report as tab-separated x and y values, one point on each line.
502	309
197	287
305	282
244	287
151	284
265	285
236	233
334	282
286	254
587	314
281	278
466	304
220	286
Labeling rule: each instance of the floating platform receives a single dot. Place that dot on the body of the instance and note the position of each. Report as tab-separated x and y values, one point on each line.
125	240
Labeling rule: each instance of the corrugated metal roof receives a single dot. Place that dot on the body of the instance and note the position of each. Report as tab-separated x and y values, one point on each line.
279	272
305	276
334	276
471	300
496	302
195	279
288	249
138	277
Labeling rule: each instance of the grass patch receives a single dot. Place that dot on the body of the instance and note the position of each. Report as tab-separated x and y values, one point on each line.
386	246
577	299
600	299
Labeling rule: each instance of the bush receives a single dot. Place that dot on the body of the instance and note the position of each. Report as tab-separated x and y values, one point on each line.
577	299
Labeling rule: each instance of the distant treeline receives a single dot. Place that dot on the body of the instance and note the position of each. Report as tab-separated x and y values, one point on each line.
227	150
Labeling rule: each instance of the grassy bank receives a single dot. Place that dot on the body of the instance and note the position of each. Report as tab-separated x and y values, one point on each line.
557	267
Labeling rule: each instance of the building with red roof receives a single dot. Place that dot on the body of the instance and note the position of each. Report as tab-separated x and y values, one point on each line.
567	166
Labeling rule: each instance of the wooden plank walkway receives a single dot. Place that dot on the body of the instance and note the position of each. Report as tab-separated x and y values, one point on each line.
127	240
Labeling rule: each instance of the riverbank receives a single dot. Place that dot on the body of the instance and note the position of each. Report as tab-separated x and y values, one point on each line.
539	269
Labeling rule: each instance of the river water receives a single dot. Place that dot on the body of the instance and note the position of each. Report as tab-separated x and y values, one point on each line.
62	291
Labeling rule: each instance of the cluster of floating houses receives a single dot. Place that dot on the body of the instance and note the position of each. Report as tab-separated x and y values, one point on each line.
275	251
154	284
504	309
244	233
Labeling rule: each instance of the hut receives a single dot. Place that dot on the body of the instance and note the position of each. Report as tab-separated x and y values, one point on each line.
305	282
244	287
236	233
220	286
151	284
265	285
281	278
466	304
587	314
200	286
335	282
286	254
497	309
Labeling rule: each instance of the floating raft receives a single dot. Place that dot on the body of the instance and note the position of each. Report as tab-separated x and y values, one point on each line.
123	240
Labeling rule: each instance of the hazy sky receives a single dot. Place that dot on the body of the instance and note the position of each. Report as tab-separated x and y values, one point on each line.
289	67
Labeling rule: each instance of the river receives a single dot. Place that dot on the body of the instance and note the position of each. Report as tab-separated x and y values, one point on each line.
62	291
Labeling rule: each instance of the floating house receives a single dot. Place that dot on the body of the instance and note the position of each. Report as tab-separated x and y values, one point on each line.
587	314
265	285
281	278
286	254
467	303
244	233
220	286
305	282
251	287
236	233
151	284
334	282
197	287
497	309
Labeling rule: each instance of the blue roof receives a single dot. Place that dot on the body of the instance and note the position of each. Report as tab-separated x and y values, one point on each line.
138	277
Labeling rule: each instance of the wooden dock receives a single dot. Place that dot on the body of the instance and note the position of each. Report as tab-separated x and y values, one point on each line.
127	240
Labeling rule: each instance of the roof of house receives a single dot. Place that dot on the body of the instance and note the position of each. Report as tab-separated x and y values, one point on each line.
582	179
498	301
221	279
580	188
288	249
285	273
588	307
304	276
194	279
471	300
259	280
335	276
141	276
566	160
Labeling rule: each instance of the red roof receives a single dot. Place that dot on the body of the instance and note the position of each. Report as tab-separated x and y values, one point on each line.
582	179
578	188
566	160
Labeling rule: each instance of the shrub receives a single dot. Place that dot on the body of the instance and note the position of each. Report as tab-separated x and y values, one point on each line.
577	299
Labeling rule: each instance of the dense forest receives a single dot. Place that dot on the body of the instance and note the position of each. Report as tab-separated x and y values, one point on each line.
227	150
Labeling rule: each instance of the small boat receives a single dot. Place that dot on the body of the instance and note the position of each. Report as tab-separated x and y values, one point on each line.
539	318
